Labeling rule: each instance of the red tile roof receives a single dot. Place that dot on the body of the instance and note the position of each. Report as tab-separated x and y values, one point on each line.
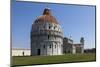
46	17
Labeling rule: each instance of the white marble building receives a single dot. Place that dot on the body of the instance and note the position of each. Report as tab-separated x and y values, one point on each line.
73	48
46	35
20	52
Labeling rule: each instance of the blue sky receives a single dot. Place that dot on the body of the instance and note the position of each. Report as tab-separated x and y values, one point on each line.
76	21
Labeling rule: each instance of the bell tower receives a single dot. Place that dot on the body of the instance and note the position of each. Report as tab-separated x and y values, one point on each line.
82	44
82	40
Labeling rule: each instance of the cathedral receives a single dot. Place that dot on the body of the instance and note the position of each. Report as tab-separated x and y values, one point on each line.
70	47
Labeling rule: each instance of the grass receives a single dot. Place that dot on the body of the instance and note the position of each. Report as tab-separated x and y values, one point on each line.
36	60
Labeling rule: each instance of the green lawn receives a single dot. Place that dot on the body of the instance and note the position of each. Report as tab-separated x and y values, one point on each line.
34	60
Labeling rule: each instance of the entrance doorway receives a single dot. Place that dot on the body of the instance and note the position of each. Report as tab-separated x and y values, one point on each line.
38	51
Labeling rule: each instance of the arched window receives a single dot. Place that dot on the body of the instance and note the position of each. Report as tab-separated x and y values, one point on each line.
44	26
50	45
54	27
49	27
55	46
44	46
48	37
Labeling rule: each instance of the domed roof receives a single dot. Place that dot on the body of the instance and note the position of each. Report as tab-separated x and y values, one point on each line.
46	17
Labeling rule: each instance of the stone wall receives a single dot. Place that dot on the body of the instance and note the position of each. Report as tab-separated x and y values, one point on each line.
20	52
